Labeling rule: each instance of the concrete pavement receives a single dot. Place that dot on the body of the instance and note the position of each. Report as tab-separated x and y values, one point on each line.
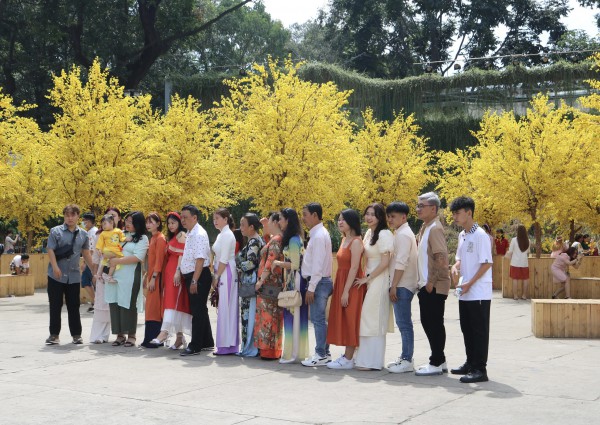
533	381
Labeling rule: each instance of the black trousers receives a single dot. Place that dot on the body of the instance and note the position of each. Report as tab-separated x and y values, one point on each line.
201	330
432	306
70	292
475	326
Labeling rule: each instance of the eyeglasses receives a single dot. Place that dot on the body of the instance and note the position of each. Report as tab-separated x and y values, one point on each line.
421	206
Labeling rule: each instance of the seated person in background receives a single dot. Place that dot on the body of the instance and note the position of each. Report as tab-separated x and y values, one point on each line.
20	264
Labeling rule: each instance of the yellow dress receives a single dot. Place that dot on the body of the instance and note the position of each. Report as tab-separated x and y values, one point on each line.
110	241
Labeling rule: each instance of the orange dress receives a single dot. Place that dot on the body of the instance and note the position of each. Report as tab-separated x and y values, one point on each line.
156	258
344	322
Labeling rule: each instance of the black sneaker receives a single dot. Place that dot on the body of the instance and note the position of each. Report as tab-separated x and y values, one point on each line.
77	340
52	340
189	352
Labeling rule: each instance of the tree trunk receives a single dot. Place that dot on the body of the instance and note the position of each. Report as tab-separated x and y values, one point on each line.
537	231
571	231
29	241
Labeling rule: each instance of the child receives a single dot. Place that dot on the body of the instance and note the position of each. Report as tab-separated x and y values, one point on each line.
109	241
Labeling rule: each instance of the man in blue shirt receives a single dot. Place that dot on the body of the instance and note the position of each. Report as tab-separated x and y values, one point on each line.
66	243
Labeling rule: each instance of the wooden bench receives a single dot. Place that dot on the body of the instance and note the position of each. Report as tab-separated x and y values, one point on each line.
565	318
16	285
585	288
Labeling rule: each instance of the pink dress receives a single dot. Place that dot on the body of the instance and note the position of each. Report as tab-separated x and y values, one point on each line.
559	268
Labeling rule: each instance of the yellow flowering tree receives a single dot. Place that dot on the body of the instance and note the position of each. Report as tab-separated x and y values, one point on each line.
100	150
397	163
588	192
524	168
26	189
286	142
187	165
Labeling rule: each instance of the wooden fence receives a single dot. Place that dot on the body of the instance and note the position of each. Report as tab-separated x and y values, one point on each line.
541	284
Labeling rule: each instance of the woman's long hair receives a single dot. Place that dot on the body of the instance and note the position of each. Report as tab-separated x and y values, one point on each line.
293	227
380	216
139	225
522	238
180	228
352	219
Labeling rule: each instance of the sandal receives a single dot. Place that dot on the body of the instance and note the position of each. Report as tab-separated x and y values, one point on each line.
129	342
119	341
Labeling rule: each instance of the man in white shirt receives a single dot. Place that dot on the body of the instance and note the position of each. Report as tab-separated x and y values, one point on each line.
474	260
316	269
89	220
403	269
20	264
195	271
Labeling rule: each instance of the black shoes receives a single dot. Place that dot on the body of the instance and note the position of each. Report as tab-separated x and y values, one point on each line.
473	376
461	370
189	352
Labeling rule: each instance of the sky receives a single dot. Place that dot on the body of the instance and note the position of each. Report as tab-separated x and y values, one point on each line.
300	11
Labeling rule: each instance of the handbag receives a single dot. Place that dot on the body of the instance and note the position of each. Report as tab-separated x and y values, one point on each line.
246	291
289	298
270	292
66	251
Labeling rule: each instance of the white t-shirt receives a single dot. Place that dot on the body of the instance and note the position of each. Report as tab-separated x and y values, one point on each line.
518	258
17	262
474	249
423	259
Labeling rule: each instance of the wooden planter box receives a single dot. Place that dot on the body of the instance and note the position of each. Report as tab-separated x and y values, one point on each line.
16	285
38	267
565	318
541	284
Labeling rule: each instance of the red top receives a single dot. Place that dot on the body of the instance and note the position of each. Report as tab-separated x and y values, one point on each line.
501	246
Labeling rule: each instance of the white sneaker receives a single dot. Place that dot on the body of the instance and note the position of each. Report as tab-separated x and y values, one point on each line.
316	360
429	370
341	363
444	367
401	366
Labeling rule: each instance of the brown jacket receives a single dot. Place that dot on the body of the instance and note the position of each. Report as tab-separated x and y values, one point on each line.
436	244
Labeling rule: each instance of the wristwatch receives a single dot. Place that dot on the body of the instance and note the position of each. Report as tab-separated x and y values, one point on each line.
194	282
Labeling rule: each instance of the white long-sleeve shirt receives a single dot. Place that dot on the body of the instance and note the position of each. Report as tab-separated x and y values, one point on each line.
317	260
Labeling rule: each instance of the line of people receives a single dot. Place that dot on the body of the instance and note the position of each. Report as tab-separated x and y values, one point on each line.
377	277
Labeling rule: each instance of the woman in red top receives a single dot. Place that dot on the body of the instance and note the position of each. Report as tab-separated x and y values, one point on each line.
152	282
177	317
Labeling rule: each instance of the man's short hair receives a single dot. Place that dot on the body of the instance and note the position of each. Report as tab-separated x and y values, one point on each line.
24	256
463	202
90	216
500	231
71	209
431	198
192	209
397	207
315	207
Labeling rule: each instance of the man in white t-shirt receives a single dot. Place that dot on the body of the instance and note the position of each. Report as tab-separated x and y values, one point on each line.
474	260
20	264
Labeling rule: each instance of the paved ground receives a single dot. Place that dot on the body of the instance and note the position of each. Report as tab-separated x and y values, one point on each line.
533	381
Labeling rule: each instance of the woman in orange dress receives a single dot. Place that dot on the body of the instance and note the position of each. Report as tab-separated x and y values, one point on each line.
269	316
152	283
347	299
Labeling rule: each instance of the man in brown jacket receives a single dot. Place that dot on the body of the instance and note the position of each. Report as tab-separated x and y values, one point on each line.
434	282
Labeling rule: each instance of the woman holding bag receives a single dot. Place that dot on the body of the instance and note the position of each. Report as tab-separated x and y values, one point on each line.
269	316
247	262
295	321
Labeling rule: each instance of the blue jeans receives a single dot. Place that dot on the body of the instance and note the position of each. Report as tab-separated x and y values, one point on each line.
404	321
318	315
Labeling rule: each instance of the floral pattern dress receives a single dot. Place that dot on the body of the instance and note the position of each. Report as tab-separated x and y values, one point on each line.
269	316
247	262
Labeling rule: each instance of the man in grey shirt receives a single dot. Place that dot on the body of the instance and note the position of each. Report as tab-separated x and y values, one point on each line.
64	276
